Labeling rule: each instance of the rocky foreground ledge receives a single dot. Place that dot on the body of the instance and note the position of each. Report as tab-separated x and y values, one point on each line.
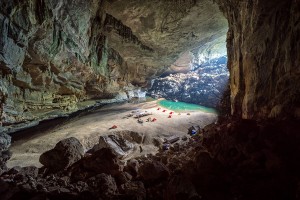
231	160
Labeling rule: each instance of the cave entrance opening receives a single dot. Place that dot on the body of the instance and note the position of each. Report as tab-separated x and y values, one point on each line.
199	76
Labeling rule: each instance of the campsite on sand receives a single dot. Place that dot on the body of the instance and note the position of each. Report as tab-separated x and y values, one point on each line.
154	123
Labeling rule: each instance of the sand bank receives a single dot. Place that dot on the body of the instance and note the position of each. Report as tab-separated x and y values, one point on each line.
88	128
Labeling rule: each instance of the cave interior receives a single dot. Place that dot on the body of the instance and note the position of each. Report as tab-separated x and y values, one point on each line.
60	58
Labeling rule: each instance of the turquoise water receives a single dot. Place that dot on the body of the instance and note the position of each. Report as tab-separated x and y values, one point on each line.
181	106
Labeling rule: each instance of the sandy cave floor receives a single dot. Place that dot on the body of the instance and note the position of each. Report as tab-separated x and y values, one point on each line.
88	128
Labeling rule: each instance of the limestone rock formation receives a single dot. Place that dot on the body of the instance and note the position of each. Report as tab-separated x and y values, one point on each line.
105	184
64	154
263	57
119	145
55	54
153	171
204	85
122	143
102	161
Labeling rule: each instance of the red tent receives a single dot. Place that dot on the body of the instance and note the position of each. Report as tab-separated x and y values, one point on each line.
113	127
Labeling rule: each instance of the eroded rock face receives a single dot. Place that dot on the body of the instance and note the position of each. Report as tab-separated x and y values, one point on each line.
54	54
263	57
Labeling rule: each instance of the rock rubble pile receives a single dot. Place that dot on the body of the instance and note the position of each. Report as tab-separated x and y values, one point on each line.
231	160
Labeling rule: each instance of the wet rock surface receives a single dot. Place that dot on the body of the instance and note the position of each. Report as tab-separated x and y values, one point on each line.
241	159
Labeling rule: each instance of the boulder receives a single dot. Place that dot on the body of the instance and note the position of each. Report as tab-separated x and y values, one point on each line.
118	144
134	190
31	171
123	177
157	141
104	184
102	161
179	187
65	153
134	136
151	171
132	167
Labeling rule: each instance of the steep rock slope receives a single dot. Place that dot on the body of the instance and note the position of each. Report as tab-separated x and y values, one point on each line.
54	54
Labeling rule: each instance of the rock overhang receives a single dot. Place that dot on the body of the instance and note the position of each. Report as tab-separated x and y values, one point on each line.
168	28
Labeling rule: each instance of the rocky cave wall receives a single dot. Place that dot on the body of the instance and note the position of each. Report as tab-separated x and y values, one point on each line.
54	53
263	45
205	85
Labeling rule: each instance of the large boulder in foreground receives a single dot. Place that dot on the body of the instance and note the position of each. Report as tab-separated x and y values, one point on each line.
104	184
65	153
152	171
102	161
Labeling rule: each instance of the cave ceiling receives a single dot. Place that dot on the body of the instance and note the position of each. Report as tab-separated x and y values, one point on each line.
166	29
